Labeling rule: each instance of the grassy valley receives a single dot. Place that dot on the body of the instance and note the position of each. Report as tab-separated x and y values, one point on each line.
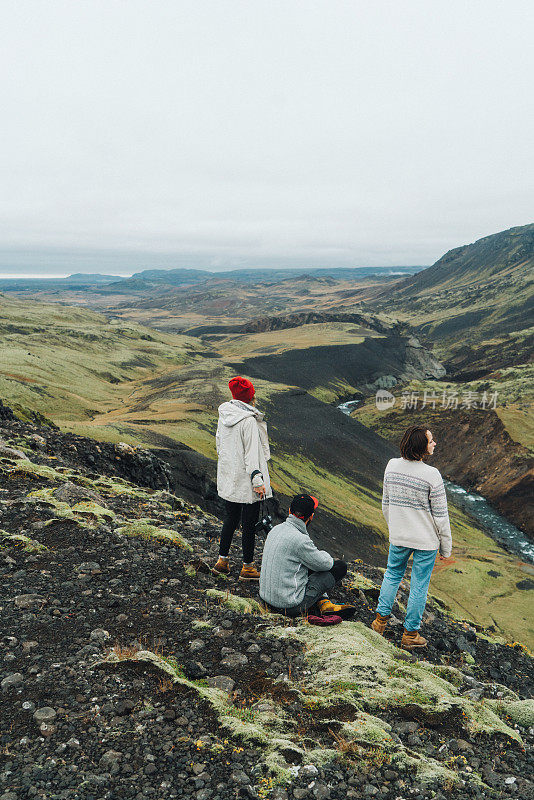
120	381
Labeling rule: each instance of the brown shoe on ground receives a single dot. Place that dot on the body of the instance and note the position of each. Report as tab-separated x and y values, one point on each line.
326	607
412	639
222	567
379	623
249	573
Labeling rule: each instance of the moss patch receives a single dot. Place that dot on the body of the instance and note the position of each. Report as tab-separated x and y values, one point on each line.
200	624
352	663
87	508
28	468
519	711
270	733
87	512
244	605
21	541
145	529
359	581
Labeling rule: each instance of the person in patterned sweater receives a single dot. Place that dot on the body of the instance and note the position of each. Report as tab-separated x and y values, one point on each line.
414	505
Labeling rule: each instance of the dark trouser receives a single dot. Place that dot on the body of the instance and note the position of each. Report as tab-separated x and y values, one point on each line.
318	583
246	513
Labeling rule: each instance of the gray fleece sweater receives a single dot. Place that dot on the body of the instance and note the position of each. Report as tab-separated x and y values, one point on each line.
287	555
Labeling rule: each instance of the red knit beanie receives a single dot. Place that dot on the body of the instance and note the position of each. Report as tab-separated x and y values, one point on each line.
241	389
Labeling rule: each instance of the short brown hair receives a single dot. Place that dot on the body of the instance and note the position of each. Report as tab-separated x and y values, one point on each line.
414	443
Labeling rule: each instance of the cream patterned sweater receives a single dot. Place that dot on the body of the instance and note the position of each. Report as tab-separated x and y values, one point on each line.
414	505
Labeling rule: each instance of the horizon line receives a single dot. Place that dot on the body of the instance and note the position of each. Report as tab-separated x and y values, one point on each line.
121	276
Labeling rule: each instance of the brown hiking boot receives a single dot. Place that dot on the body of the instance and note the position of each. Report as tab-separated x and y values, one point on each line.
379	623
411	639
222	567
326	607
249	573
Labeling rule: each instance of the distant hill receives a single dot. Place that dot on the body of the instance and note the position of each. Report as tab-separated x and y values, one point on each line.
148	284
95	277
508	254
178	277
79	280
476	302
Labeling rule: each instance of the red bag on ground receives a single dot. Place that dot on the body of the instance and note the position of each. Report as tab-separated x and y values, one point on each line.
331	619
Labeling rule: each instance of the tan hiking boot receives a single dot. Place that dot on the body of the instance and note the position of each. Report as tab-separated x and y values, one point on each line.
222	567
379	623
249	573
412	639
326	607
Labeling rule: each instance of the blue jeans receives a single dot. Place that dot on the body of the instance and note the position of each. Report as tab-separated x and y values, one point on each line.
422	566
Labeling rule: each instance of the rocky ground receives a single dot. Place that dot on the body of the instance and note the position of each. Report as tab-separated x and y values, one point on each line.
128	671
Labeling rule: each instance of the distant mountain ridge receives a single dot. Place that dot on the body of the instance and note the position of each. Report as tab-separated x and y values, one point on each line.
177	277
476	303
503	253
152	279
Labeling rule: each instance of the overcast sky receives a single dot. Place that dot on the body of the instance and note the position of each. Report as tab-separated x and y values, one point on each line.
254	132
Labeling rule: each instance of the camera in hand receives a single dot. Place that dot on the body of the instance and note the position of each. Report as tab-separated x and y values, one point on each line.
265	524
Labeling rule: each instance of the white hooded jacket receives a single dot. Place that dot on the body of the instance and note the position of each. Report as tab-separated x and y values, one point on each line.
242	448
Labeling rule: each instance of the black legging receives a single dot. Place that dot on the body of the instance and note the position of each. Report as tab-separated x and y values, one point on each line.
248	514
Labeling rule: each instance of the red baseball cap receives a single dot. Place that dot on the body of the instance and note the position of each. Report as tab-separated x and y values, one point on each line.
303	505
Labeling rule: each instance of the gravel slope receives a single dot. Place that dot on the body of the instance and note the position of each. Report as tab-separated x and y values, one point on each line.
128	671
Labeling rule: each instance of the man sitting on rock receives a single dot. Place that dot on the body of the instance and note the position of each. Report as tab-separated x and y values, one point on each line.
294	574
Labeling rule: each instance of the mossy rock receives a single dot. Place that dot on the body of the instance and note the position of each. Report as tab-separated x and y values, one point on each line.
28	467
520	711
120	486
87	512
245	605
145	529
33	417
90	509
427	770
21	541
352	663
116	486
359	581
368	729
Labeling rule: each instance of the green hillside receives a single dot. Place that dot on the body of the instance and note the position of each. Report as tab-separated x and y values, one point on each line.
476	304
86	372
507	253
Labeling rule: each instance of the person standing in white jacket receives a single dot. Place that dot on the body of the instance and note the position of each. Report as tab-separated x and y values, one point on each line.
242	473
